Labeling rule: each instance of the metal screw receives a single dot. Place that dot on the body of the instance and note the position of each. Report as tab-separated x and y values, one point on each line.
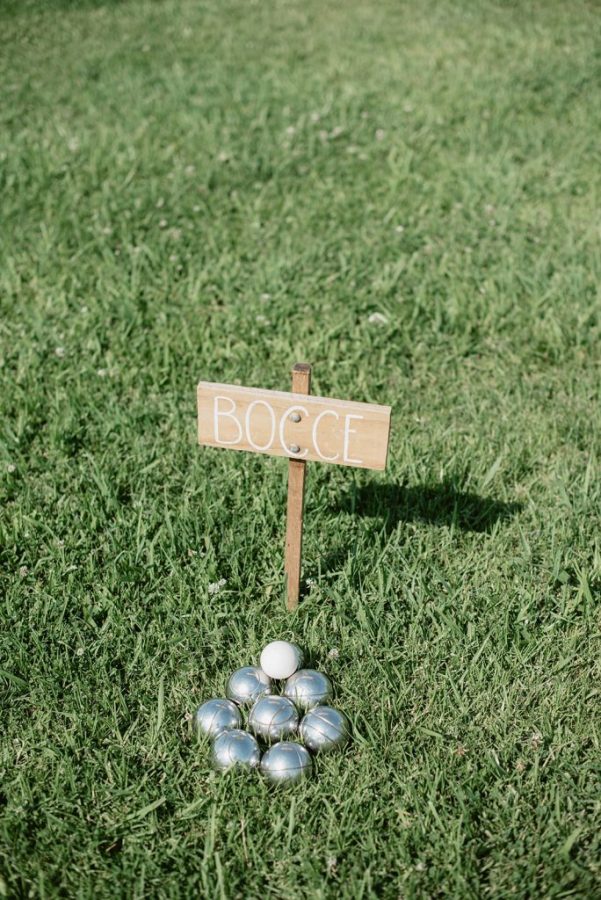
295	417
294	448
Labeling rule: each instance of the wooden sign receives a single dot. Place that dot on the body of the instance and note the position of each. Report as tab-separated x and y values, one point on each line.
301	428
294	425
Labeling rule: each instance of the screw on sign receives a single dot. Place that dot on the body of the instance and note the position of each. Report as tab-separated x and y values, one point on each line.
299	427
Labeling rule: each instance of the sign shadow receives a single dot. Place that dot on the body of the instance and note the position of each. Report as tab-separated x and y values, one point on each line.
441	504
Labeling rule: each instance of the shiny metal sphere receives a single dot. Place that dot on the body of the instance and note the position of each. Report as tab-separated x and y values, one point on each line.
324	729
273	718
286	763
308	688
216	716
235	749
246	685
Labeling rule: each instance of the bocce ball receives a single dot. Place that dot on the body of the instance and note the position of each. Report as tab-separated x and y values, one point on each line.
280	659
216	716
308	688
246	685
273	718
236	749
324	729
286	762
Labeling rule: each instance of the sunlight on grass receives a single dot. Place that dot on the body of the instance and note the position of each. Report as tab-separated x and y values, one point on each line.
406	196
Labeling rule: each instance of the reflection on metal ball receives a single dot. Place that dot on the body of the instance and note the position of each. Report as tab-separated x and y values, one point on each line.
308	688
235	749
216	716
286	763
246	685
273	718
324	729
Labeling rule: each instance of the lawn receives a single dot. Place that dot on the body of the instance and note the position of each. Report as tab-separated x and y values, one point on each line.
406	195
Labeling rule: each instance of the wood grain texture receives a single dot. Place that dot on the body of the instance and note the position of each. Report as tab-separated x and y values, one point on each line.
260	421
301	384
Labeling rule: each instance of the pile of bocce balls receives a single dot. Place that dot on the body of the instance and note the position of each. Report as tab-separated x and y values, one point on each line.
273	718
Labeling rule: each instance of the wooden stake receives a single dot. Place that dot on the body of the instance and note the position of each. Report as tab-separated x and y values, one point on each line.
301	384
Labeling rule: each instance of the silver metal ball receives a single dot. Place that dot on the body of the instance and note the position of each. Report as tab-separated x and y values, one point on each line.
216	716
324	729
235	749
247	685
286	763
273	718
308	688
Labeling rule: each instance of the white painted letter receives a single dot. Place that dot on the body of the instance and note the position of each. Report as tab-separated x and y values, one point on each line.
283	421
326	412
269	409
228	414
347	432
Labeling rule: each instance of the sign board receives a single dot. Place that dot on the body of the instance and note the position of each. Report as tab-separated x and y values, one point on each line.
301	428
296	426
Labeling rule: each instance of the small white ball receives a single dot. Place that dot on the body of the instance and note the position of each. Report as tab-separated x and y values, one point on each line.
281	659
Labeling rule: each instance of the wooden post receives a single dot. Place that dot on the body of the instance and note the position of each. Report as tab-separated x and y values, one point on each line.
301	384
301	428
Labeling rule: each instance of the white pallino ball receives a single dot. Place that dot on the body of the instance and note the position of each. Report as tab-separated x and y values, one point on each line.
281	659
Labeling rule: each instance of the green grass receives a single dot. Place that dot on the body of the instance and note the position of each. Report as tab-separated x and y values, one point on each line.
216	190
